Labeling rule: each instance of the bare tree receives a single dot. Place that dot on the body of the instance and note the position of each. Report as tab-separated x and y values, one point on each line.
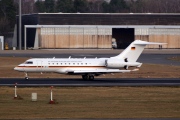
95	6
154	6
4	26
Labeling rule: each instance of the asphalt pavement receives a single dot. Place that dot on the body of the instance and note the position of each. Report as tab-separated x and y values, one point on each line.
153	56
98	82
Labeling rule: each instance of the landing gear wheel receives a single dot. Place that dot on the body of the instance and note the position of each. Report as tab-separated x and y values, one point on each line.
84	77
26	78
91	77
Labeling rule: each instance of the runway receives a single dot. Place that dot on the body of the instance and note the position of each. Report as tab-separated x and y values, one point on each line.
149	56
144	58
98	82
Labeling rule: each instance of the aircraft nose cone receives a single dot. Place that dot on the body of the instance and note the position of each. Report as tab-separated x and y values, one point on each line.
16	68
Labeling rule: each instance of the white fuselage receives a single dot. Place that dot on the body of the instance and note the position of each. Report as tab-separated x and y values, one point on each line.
62	65
96	66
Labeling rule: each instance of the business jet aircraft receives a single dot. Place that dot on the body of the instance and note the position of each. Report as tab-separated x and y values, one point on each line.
88	67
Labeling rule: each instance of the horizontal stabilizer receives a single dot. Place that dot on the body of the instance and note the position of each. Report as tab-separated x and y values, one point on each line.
139	42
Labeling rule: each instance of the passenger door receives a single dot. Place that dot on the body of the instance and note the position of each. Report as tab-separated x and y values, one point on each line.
39	66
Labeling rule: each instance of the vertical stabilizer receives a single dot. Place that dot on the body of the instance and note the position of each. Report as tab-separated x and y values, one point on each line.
134	50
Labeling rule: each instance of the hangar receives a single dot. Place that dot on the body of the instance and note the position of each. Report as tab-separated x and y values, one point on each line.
96	30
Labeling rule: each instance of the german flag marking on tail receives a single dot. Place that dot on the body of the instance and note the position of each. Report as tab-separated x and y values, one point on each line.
133	48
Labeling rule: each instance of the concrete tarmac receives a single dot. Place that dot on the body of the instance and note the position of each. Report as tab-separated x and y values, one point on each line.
153	56
87	51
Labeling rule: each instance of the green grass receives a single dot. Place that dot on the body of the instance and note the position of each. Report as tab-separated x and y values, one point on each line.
92	102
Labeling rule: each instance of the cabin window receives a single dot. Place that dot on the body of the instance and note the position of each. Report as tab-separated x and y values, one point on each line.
29	62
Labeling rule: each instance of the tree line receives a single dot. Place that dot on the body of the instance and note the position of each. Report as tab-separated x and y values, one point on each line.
9	8
7	16
114	6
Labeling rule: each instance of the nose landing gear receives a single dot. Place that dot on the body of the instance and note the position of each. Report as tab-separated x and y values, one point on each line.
26	76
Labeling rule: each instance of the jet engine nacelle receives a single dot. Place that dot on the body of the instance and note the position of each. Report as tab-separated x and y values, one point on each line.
117	63
114	63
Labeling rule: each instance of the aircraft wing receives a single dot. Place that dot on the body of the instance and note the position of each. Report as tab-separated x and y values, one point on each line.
101	71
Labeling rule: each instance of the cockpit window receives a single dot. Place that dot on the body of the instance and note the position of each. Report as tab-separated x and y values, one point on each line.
28	62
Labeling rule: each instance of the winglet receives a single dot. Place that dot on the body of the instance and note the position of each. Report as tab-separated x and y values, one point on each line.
135	69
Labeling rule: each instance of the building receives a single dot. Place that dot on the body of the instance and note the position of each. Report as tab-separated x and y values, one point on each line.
96	30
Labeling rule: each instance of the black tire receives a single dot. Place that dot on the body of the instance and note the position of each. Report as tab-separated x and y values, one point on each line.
91	77
84	77
26	78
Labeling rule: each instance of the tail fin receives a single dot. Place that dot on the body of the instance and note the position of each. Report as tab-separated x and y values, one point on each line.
134	50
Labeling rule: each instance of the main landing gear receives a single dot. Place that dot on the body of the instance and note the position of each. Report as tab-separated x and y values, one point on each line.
26	76
86	77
